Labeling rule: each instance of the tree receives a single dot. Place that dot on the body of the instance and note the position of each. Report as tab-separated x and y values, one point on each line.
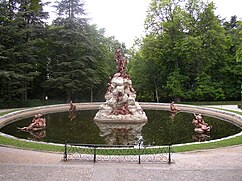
20	30
232	72
191	51
78	55
70	9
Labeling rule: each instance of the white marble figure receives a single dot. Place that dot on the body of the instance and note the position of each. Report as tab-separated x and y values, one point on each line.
120	97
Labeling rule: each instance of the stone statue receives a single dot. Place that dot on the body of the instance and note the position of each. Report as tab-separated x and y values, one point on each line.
173	107
120	96
200	125
38	123
72	111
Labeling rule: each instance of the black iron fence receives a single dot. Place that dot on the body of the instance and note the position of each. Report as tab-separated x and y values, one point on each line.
129	153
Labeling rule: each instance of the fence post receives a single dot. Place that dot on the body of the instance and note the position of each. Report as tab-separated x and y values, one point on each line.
65	153
169	158
139	151
94	153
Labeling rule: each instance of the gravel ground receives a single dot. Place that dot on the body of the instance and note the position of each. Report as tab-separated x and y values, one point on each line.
223	164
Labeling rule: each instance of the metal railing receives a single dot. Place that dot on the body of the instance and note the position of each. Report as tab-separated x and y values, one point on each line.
130	153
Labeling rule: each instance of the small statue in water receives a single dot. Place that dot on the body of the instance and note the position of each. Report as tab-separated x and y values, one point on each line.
200	125
173	108
38	123
72	111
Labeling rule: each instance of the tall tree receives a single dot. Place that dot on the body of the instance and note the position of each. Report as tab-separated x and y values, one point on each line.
78	54
232	72
70	9
20	29
192	44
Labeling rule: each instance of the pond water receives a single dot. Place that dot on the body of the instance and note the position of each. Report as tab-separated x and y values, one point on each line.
161	129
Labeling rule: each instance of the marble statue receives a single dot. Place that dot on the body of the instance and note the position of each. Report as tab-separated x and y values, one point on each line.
38	123
120	97
200	125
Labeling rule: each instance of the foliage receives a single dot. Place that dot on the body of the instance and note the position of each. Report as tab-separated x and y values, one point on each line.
188	53
69	59
21	27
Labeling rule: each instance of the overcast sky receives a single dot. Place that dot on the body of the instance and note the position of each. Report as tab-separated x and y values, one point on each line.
124	19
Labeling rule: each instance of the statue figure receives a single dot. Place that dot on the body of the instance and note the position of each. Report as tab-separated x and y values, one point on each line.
121	62
38	123
200	125
72	111
120	96
173	107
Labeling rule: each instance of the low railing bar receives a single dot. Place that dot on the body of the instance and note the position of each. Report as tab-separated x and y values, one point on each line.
138	149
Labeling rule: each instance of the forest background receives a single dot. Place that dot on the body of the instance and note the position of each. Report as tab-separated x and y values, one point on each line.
187	54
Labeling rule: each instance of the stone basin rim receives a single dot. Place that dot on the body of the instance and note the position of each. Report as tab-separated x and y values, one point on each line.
231	117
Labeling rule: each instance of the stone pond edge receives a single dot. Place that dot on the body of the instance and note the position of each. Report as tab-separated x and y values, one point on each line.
28	112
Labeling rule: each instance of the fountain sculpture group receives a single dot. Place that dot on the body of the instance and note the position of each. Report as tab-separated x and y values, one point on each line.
120	97
120	118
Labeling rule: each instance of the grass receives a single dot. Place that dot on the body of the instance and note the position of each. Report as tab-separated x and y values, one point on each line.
6	112
17	143
211	145
211	103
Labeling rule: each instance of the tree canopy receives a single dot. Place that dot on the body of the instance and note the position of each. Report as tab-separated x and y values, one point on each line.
68	59
188	53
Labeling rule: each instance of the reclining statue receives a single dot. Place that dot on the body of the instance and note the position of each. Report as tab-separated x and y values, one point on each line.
200	125
38	123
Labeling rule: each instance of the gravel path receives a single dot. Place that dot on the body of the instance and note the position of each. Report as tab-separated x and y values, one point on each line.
223	164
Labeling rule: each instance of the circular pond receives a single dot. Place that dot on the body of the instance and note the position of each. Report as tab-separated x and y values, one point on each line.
161	129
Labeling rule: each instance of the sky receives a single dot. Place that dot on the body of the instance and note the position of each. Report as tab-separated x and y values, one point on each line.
124	19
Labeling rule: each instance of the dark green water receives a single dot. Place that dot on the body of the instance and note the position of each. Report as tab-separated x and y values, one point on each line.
159	130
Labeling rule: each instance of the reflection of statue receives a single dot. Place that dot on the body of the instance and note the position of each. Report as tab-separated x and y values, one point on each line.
38	134
38	123
72	111
120	133
200	125
173	115
200	137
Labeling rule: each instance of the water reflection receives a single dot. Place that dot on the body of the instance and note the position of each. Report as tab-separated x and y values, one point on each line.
201	137
159	130
36	135
116	133
173	115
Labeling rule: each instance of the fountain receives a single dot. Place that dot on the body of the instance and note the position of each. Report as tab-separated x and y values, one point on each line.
120	118
120	105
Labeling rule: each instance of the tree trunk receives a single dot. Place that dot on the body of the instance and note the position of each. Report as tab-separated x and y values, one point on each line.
91	94
68	95
156	95
177	99
24	95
